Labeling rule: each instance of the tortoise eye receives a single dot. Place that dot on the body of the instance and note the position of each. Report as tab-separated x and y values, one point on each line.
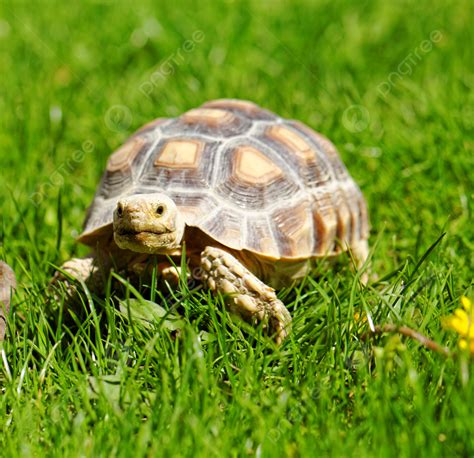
119	210
160	210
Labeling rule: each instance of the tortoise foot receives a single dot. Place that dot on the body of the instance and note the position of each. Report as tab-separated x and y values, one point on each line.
246	295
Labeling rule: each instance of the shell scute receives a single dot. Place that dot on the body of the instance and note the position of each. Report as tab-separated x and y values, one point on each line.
122	159
324	222
294	142
294	230
121	166
179	162
224	224
196	206
250	178
253	167
259	236
327	148
302	155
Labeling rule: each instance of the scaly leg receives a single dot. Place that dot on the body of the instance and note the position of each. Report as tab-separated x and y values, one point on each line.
247	296
82	269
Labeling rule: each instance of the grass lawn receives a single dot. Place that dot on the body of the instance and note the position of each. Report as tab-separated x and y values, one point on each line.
391	83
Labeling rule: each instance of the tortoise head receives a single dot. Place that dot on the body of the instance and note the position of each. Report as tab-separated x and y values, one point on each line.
148	223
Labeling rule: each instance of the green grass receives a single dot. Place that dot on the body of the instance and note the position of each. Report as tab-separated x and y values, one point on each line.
99	384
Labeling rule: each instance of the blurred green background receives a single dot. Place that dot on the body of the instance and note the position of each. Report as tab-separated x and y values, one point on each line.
390	83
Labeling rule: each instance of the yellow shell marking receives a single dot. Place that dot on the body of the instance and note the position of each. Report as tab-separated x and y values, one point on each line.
293	141
209	116
122	159
179	154
238	104
253	166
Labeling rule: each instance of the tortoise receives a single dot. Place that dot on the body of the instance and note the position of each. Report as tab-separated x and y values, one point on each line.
251	197
7	287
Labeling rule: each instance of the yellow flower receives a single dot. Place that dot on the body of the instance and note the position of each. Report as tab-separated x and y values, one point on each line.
463	323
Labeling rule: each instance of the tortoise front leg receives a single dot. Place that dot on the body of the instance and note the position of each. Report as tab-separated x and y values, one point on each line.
246	295
83	270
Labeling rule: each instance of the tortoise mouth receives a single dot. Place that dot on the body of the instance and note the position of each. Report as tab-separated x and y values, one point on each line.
145	241
128	232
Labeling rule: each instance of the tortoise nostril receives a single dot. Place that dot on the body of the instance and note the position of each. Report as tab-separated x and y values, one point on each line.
160	210
120	210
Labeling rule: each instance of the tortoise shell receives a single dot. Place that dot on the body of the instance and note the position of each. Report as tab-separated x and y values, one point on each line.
242	175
